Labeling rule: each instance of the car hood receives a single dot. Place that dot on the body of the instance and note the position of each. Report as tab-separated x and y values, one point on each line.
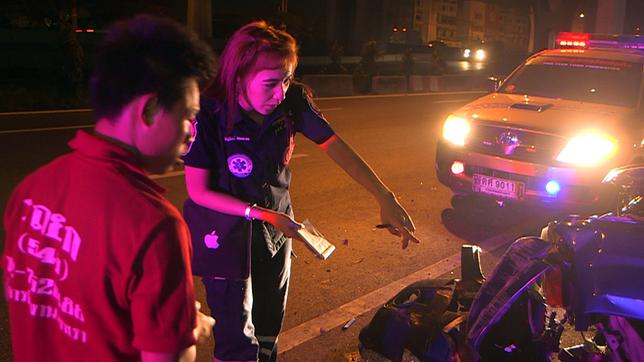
558	116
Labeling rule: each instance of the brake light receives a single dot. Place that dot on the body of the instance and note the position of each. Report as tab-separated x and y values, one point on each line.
573	40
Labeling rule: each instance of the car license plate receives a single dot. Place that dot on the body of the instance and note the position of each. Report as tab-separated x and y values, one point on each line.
497	186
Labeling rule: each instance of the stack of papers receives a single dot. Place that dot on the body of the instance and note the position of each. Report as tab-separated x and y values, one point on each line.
320	246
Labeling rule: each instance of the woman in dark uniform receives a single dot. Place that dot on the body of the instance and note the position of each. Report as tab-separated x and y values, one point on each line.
237	177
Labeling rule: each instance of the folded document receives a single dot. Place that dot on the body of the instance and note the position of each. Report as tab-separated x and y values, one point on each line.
320	246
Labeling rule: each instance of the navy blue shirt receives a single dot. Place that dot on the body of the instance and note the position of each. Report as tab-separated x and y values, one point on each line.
251	162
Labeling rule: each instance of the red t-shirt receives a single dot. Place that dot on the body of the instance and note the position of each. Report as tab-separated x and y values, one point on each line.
96	261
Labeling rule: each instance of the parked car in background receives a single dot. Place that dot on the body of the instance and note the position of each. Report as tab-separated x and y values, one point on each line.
553	128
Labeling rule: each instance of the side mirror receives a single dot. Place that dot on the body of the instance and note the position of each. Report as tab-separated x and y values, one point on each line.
494	83
630	182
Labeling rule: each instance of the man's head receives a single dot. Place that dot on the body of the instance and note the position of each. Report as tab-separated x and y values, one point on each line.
145	86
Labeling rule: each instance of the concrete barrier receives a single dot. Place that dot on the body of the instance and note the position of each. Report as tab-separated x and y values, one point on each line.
326	85
382	84
428	83
457	82
329	85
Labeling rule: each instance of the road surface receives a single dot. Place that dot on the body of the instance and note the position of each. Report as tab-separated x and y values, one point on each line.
397	136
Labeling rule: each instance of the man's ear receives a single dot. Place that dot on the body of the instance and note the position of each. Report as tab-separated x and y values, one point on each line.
150	109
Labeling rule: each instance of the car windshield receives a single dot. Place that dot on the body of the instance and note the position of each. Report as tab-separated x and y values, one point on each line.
579	79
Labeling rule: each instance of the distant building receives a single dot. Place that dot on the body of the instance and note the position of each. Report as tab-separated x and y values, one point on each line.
442	22
507	26
471	21
400	24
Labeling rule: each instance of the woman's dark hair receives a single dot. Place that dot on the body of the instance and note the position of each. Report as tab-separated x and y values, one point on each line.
147	54
253	47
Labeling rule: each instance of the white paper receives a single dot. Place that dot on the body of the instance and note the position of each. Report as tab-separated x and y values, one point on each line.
320	246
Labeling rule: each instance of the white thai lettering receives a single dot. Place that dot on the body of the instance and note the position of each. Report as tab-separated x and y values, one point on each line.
71	243
56	222
67	329
52	225
16	295
39	217
45	286
10	265
26	209
67	306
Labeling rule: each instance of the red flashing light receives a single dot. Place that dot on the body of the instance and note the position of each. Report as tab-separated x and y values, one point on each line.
404	29
573	40
394	29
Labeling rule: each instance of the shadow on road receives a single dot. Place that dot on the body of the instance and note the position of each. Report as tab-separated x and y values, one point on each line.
475	219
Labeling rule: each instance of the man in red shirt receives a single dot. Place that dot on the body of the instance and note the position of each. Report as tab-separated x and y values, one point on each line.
96	261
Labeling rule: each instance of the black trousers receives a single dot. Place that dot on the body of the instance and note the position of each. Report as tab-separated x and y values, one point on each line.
249	312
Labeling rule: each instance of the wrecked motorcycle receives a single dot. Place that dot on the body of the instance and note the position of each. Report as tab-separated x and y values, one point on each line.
585	274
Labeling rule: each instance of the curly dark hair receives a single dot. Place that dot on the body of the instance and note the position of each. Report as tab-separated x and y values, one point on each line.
147	54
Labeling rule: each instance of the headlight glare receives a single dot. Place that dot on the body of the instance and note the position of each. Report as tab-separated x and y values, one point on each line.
455	130
479	55
588	150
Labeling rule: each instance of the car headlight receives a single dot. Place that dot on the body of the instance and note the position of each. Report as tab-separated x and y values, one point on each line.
456	129
466	53
479	55
588	150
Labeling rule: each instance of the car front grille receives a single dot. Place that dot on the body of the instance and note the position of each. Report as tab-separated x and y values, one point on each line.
515	143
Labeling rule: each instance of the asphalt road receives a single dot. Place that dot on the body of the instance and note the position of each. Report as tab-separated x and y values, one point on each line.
397	136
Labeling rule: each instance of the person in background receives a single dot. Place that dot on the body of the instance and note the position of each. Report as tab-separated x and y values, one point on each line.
237	177
96	264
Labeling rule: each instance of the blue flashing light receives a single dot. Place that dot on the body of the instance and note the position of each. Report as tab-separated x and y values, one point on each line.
553	187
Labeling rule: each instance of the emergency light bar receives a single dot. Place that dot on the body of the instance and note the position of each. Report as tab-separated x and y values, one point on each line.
568	40
572	40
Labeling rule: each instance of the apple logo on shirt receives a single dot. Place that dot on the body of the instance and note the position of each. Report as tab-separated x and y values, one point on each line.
211	240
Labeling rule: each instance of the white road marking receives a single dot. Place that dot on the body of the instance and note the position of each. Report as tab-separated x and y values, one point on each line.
452	101
26	113
342	97
311	329
403	95
14	131
11	131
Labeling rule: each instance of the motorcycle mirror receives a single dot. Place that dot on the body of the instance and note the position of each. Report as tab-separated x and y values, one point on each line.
630	181
494	82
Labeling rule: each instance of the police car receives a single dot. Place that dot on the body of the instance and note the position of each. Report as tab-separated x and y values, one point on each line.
553	128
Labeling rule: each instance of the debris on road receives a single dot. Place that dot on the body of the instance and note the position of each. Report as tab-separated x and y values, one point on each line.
348	324
353	356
